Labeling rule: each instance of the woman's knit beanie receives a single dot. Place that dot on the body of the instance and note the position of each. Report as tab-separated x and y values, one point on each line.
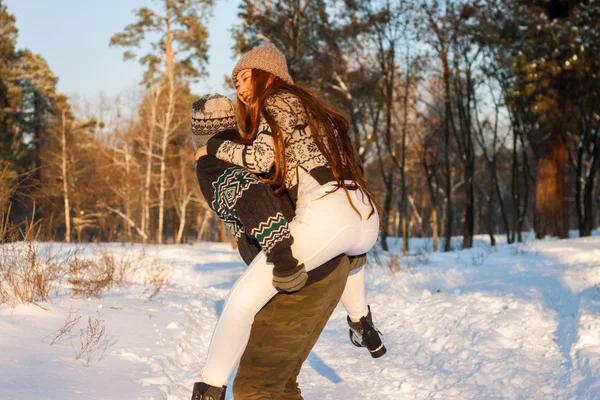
211	114
265	57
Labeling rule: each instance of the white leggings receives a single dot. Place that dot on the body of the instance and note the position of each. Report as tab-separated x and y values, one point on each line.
324	227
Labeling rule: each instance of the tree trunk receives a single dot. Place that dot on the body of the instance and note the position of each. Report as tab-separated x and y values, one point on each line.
527	177
64	173
162	188
588	208
387	207
550	189
464	143
501	203
182	219
588	194
405	227
490	222
128	191
404	214
433	196
469	227
388	142
597	217
147	186
145	226
166	128
434	226
448	172
203	225
515	189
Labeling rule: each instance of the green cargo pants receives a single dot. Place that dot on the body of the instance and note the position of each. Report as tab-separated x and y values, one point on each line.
283	334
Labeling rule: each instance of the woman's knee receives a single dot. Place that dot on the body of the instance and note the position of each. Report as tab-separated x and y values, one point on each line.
240	303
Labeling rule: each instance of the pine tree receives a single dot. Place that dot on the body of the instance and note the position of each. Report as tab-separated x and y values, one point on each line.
37	87
27	96
178	55
8	37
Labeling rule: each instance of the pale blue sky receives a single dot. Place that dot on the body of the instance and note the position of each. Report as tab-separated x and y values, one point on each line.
73	36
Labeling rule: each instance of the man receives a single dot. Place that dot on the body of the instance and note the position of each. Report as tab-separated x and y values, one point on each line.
286	329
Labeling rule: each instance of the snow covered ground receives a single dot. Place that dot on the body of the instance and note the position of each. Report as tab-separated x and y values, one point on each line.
515	322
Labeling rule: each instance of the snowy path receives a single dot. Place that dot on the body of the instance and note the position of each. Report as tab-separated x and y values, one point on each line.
521	322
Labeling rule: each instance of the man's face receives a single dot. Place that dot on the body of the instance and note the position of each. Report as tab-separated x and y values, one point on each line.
243	85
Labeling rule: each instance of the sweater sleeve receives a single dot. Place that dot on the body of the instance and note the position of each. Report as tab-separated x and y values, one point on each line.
241	194
259	156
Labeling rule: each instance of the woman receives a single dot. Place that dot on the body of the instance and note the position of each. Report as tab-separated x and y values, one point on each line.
298	144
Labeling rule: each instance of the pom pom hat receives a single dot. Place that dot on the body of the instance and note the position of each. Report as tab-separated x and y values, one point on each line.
211	114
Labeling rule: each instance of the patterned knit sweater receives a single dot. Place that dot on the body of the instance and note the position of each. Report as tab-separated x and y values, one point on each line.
301	151
252	214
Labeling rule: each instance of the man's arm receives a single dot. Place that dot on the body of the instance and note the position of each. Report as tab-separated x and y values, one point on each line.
242	194
238	195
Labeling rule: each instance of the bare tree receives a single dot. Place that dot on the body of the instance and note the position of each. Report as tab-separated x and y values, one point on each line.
441	30
180	53
186	192
64	131
430	151
490	150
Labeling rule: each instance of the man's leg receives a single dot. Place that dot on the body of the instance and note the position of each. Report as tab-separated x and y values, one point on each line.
283	334
292	391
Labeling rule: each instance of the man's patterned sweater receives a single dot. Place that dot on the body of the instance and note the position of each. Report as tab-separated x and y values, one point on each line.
252	214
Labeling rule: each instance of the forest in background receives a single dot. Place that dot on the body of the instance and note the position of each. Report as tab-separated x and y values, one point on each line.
470	117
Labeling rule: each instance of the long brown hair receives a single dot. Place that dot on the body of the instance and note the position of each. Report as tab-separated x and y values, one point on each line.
328	127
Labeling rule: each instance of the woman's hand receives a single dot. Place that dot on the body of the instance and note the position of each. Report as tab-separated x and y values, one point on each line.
201	152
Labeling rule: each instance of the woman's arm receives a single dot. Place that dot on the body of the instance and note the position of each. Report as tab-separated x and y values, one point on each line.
259	156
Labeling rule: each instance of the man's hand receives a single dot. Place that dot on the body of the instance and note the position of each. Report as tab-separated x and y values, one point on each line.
201	152
291	280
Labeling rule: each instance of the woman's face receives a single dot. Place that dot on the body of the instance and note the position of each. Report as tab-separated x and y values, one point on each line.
243	85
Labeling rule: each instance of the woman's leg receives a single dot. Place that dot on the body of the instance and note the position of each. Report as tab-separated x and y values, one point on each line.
369	225
324	228
254	289
327	228
353	298
249	294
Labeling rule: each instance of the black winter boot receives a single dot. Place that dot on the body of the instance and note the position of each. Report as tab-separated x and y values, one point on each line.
364	334
203	391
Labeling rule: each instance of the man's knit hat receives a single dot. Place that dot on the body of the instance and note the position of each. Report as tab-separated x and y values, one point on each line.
211	114
265	57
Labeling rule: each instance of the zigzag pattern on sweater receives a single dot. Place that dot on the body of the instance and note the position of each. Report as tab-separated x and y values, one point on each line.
277	236
271	232
229	187
234	227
